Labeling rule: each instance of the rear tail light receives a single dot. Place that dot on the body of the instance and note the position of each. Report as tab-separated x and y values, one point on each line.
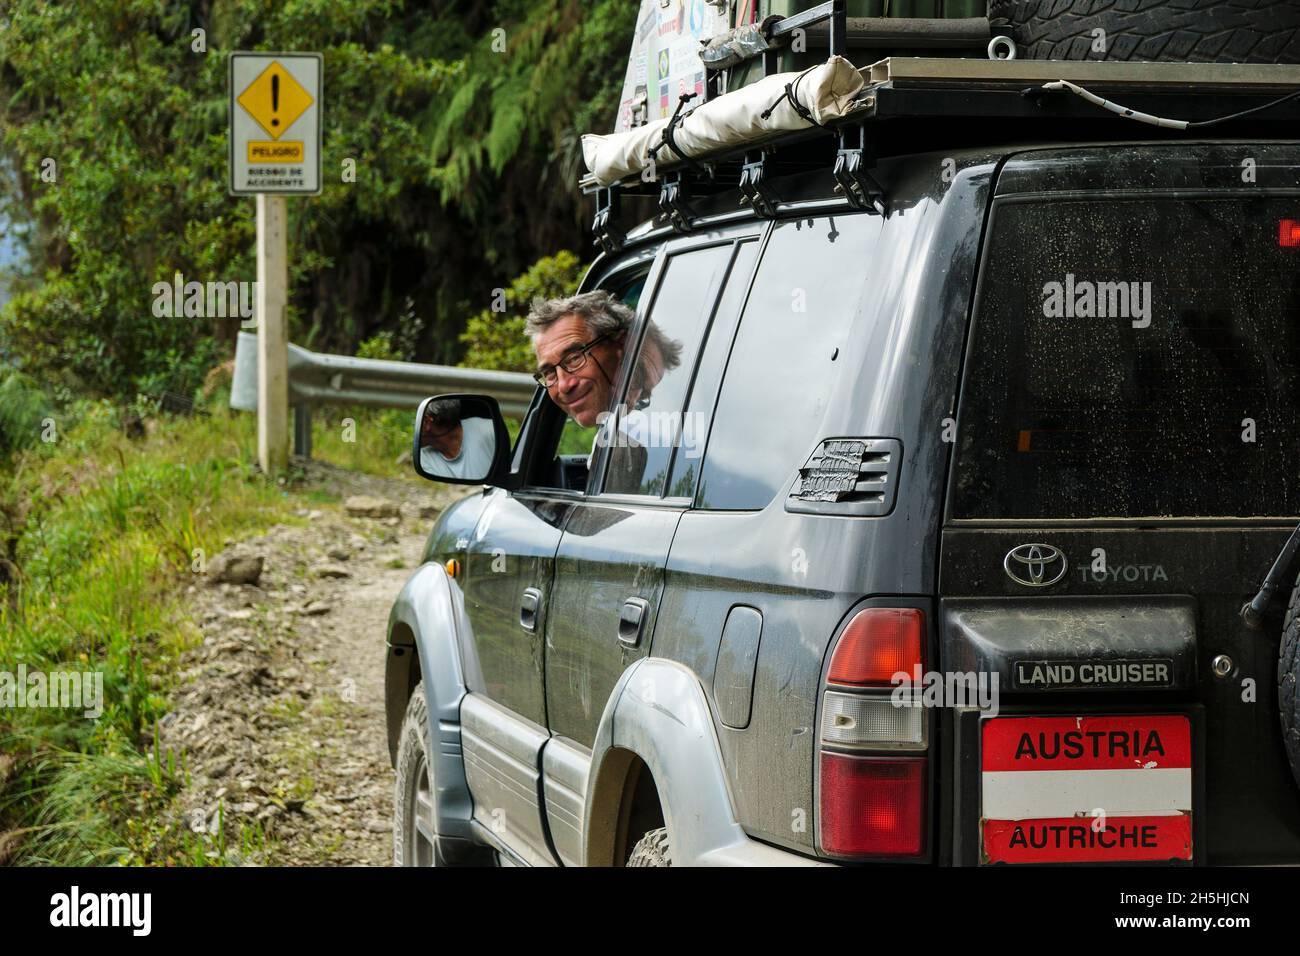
872	799
878	643
872	806
1288	233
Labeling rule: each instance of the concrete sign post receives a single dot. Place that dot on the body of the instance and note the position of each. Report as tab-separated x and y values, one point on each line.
275	139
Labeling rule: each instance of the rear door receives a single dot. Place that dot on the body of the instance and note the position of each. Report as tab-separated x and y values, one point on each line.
1127	470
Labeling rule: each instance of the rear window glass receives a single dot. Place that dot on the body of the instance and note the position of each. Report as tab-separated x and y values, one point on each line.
783	365
1135	358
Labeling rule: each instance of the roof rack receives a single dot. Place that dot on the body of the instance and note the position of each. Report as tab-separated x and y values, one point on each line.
905	96
828	26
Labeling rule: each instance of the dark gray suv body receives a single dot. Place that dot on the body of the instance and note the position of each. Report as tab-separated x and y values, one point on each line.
1064	491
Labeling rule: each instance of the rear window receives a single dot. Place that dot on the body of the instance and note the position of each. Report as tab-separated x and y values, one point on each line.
783	364
1135	357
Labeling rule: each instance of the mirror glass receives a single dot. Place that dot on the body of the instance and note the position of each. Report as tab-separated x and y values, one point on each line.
457	439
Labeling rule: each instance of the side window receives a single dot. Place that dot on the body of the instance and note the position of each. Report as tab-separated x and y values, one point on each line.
646	425
708	375
788	355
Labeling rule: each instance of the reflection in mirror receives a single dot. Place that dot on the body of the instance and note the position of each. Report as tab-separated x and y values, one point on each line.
457	438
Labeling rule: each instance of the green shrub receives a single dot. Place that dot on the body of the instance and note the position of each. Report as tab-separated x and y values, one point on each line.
24	410
496	339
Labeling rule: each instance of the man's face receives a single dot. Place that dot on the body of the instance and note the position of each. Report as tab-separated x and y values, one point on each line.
443	438
583	394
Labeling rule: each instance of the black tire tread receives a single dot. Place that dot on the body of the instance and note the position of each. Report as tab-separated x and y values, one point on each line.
1288	675
414	735
1196	31
410	739
652	850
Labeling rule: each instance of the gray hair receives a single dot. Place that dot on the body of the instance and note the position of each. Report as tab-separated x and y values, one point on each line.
602	312
670	349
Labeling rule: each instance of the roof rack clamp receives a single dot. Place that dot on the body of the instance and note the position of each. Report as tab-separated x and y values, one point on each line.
854	182
673	202
757	192
605	227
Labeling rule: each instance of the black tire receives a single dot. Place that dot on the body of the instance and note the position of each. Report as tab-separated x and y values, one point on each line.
414	841
1288	676
1199	31
652	850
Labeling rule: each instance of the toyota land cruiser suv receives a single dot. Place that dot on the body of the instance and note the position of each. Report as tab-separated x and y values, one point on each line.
946	561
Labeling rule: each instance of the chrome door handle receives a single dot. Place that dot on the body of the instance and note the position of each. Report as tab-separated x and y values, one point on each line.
631	621
528	608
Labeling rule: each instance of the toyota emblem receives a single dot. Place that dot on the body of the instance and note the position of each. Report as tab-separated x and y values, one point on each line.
1035	565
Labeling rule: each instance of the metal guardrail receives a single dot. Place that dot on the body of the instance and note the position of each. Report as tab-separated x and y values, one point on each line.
319	379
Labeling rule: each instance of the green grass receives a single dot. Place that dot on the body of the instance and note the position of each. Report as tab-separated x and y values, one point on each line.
107	530
367	440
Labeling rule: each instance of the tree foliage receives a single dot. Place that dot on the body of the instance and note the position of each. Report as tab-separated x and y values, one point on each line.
495	337
463	119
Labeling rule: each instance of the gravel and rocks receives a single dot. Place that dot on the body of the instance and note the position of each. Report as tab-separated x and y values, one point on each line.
279	715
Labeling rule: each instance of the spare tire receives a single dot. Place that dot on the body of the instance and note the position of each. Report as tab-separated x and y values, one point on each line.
1288	676
1201	31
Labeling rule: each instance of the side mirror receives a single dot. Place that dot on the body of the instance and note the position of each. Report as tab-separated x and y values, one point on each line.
461	440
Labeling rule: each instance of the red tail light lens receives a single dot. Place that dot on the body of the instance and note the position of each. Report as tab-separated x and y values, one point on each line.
872	806
878	643
1288	233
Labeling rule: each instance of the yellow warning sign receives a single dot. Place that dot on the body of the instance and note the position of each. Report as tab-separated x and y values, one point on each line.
275	99
268	152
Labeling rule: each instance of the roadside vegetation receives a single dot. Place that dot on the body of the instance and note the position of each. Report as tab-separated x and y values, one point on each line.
119	462
103	531
451	156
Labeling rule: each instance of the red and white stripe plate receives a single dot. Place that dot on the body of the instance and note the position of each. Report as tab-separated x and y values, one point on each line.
1086	789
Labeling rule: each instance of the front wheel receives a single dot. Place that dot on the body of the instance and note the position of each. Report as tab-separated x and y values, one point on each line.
415	837
652	850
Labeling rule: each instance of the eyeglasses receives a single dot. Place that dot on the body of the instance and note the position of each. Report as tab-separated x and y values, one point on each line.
570	361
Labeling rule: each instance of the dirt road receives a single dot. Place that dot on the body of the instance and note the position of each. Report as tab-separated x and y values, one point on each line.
279	714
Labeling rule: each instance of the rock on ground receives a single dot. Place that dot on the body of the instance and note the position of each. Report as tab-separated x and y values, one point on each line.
235	566
367	506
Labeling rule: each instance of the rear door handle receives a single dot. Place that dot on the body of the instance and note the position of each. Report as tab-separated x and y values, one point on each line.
528	609
631	622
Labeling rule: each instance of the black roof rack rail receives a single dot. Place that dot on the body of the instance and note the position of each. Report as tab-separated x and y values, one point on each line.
827	26
833	14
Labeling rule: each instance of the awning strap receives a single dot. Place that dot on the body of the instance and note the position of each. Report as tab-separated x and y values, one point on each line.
668	138
789	94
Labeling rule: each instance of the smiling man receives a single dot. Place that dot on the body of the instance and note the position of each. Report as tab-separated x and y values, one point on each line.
579	343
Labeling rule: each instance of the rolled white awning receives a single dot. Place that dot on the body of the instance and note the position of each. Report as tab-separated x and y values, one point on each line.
827	92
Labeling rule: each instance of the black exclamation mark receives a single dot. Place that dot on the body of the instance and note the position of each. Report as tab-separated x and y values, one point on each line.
275	98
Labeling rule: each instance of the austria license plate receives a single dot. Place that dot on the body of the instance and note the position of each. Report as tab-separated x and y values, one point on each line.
1090	789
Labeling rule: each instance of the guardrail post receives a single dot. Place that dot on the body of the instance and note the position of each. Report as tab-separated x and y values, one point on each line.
302	430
